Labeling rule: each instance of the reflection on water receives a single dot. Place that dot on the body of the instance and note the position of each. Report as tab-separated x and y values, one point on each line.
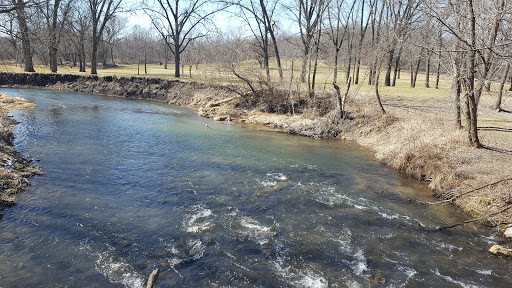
132	186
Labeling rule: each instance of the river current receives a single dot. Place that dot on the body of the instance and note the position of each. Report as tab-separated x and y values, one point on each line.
131	186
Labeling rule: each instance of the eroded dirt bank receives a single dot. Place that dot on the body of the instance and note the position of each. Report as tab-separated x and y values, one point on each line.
14	167
419	143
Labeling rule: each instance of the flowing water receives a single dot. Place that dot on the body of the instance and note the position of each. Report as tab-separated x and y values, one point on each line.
131	186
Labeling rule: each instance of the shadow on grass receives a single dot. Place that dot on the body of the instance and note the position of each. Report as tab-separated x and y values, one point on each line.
497	129
499	150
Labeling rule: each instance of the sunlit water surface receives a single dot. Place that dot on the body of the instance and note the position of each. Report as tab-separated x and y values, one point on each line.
131	186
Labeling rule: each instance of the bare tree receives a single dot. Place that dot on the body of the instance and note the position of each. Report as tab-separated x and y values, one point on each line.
362	32
112	35
181	22
400	16
80	26
251	13
337	28
308	16
101	12
20	6
262	13
478	49
497	105
56	15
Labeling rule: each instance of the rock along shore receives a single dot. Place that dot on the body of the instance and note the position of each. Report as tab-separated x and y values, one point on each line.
15	168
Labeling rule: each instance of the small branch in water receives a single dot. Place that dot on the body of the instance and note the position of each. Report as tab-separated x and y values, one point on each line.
475	219
465	193
152	278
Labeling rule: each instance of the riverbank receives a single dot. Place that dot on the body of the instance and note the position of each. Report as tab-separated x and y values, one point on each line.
417	139
15	169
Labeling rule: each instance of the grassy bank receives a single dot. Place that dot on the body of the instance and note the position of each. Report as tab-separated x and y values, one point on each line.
416	136
15	168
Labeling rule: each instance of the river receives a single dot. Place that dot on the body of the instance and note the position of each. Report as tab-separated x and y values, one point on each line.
131	186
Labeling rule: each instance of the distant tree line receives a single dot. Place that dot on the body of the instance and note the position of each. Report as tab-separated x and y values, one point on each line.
468	40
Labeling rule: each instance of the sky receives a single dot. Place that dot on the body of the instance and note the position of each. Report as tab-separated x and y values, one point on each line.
224	20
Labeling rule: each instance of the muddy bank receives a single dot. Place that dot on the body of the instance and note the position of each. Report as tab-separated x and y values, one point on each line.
14	168
419	144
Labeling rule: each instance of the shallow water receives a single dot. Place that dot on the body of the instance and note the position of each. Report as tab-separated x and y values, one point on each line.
132	186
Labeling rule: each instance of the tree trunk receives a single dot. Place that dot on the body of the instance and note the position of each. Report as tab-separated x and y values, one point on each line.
497	106
472	101
456	90
166	53
80	63
456	85
335	72
54	43
265	54
25	37
370	75
438	70
317	50
358	65
82	56
273	37
94	55
397	66
387	80
416	72
427	68
347	76
177	58
112	54
305	57
412	72
488	86
377	76
52	54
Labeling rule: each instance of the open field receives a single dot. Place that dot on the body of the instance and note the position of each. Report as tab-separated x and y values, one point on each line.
417	136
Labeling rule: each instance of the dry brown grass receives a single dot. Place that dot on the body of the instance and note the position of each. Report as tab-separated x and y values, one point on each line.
419	137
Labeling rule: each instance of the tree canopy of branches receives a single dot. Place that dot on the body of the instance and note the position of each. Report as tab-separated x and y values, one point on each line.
180	22
101	12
